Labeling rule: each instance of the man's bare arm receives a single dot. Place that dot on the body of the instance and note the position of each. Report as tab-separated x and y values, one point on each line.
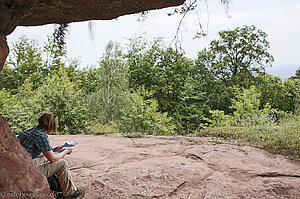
54	150
54	157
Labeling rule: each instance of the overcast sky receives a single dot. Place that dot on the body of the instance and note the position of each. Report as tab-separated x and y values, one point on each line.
279	19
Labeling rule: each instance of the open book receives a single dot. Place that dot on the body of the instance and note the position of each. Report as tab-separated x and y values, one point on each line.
69	144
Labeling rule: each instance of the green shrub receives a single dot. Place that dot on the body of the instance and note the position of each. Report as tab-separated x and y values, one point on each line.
21	109
220	119
142	116
59	95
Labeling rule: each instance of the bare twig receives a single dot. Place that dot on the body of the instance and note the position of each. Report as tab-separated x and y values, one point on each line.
188	8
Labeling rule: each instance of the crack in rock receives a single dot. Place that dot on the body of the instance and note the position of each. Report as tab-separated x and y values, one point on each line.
275	174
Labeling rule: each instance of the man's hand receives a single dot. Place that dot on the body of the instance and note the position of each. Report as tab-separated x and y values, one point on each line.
69	150
57	148
54	157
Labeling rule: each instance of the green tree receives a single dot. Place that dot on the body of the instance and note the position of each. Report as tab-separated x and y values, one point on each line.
218	91
142	116
246	103
21	109
161	70
12	110
25	61
55	57
297	75
61	96
272	91
33	87
142	57
239	55
293	98
88	79
192	110
7	78
171	74
168	76
179	92
111	87
281	95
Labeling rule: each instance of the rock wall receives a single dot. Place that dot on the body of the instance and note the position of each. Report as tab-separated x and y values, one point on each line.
4	50
19	178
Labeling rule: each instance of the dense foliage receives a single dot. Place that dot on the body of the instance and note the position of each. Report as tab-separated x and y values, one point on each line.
147	87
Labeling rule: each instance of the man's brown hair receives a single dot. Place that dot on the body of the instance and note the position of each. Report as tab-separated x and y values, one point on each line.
48	121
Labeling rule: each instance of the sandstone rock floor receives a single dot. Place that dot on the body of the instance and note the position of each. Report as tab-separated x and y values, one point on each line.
112	166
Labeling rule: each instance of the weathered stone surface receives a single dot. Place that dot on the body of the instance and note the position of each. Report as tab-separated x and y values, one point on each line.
173	167
18	176
11	12
4	50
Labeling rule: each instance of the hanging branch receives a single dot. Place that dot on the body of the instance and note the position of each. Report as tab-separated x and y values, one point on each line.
183	10
187	7
59	35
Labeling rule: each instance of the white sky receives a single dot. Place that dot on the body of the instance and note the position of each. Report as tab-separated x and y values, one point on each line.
279	19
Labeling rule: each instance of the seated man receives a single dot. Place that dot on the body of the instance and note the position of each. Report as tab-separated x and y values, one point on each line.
36	142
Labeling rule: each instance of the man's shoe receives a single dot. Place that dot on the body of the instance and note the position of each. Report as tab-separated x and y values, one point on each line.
76	194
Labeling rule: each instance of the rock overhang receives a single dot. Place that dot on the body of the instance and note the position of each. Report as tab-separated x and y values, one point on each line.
15	13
